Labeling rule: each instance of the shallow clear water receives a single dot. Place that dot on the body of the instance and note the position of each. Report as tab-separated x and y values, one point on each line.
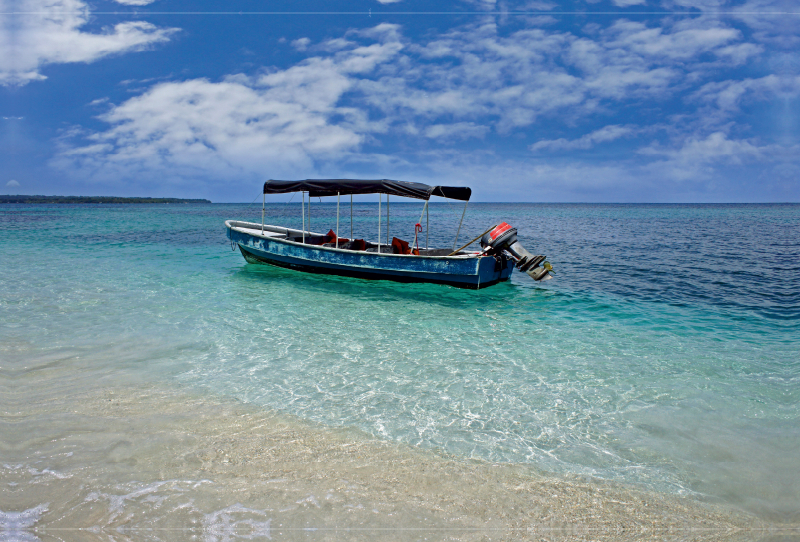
664	354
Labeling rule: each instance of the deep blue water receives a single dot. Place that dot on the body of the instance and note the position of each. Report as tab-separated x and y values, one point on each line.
663	354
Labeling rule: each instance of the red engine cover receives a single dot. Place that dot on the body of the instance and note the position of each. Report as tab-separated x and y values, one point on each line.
501	228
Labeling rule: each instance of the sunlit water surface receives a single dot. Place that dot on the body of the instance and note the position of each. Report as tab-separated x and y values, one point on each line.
664	354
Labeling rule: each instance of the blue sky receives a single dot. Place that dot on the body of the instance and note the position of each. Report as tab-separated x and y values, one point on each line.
529	100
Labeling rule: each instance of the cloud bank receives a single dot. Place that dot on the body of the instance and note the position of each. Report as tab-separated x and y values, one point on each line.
455	102
49	32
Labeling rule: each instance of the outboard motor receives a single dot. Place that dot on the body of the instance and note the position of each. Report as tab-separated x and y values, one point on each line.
504	237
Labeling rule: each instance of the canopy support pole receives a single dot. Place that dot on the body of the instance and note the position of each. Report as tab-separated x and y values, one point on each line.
459	224
303	213
379	222
309	213
424	209
387	219
351	217
427	225
338	197
263	204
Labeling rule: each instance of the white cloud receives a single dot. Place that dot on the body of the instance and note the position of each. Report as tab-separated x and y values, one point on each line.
50	33
458	130
713	148
726	168
219	128
12	184
728	95
534	72
537	5
495	178
278	121
702	5
716	146
547	178
603	135
627	3
686	39
723	102
301	44
768	19
134	2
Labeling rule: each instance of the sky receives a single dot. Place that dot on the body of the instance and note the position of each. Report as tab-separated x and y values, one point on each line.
523	100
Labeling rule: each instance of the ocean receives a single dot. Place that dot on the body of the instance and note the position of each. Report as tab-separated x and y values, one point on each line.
156	386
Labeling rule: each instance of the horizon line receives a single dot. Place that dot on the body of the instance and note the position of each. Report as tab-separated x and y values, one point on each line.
441	200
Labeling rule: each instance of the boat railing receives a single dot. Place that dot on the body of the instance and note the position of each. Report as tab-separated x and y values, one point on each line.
320	240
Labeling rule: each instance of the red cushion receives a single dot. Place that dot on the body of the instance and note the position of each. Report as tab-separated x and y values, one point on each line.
331	238
399	246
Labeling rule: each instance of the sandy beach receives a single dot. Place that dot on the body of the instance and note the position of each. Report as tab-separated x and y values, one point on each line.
143	461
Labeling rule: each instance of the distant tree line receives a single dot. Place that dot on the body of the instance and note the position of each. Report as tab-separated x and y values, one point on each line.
93	199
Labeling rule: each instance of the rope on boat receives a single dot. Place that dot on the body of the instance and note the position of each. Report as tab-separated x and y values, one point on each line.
468	244
254	200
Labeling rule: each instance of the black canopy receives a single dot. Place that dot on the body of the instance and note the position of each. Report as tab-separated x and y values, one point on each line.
331	187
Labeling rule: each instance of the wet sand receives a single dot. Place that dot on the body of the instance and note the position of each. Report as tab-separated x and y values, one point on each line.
154	463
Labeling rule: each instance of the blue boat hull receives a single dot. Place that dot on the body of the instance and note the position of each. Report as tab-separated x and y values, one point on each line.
461	271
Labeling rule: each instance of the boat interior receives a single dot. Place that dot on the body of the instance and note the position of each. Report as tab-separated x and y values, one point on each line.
397	246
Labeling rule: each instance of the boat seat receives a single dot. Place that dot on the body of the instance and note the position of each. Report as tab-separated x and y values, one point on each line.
399	246
310	239
358	244
330	240
346	244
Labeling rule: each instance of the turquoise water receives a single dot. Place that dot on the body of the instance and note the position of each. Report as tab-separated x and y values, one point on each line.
664	354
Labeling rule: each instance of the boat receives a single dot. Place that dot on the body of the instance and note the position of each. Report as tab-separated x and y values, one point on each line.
397	260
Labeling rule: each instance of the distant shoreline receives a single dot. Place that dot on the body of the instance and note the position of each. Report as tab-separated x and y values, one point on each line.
93	199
